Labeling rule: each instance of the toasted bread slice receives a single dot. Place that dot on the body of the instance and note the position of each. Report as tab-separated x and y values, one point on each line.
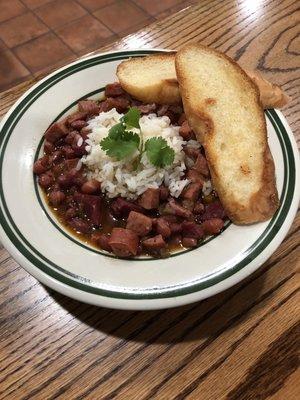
222	106
150	79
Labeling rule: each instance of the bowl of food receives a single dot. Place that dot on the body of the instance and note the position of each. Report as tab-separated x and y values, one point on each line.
131	180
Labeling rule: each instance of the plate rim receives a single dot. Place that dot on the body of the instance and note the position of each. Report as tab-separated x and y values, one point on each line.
193	289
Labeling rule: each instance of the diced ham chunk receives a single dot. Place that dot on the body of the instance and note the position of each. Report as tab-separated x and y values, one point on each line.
163	227
80	115
174	208
56	131
191	192
90	107
139	223
121	208
147	108
114	90
120	103
155	243
191	229
201	165
195	177
213	210
91	205
124	242
212	226
186	131
149	199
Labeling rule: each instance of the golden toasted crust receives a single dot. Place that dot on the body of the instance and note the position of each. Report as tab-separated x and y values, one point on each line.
232	130
164	90
150	79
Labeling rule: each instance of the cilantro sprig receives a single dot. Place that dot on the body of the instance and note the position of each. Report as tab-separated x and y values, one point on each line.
158	151
121	142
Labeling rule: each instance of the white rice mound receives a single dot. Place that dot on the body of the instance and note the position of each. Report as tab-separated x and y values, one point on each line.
118	178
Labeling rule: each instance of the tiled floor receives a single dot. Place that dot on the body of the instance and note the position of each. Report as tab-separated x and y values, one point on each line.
37	35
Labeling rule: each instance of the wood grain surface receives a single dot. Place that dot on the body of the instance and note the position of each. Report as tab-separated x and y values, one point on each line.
239	345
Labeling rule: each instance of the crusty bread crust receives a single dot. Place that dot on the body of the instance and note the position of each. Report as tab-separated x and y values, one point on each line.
166	91
157	81
262	203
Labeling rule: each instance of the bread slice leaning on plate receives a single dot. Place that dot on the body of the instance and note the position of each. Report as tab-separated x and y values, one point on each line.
223	108
150	79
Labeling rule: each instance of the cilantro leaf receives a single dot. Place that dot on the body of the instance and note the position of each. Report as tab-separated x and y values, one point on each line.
116	131
119	143
159	153
131	118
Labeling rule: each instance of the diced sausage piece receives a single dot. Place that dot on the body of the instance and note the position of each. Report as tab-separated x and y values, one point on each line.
155	243
191	229
163	228
91	186
48	147
77	116
90	107
56	197
139	223
147	108
121	208
201	165
149	199
199	208
78	145
212	226
174	208
91	205
214	210
46	180
192	152
41	165
56	131
101	240
191	192
189	242
185	131
80	225
114	90
181	119
124	242
171	218
175	228
163	193
162	110
119	103
78	125
195	177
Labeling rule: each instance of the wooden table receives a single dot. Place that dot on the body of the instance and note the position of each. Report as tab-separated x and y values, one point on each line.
238	345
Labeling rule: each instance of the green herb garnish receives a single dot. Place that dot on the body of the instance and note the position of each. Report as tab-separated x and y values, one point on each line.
121	142
159	153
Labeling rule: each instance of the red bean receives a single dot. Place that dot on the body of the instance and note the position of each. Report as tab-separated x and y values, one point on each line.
199	208
69	152
48	147
189	242
39	167
70	213
56	197
65	181
91	186
56	157
70	137
79	124
175	228
80	225
163	193
46	180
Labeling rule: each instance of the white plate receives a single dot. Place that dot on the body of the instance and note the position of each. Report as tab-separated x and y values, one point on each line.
34	238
